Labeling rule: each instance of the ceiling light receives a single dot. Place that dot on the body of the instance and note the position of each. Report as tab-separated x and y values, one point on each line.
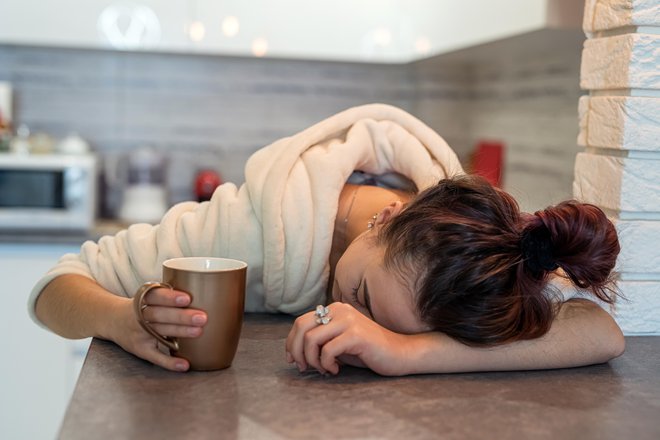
197	31
422	45
259	47
230	26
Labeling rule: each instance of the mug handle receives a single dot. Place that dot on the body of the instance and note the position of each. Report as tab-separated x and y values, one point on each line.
138	307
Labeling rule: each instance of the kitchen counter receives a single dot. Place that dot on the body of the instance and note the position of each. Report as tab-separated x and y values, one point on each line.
65	237
261	396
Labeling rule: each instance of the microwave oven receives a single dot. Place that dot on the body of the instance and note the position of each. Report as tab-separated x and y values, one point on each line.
47	192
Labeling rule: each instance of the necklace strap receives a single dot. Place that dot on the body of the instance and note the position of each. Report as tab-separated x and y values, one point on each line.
350	207
348	213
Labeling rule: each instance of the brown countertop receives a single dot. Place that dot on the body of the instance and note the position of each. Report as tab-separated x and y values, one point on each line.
119	396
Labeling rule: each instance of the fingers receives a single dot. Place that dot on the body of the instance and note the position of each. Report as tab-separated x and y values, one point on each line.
313	344
331	352
169	308
167	297
168	362
294	341
307	341
177	331
315	352
171	363
172	315
149	351
174	322
134	339
167	313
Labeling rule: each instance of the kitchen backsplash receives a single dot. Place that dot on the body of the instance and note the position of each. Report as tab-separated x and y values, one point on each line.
530	105
203	110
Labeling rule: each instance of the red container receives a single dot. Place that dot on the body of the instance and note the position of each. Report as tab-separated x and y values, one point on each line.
488	161
206	182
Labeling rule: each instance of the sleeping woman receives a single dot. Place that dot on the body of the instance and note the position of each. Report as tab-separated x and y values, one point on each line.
451	278
458	279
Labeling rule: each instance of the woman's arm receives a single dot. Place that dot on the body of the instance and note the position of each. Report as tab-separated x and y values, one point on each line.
581	334
75	307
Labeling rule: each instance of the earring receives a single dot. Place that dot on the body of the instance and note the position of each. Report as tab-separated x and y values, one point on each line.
372	222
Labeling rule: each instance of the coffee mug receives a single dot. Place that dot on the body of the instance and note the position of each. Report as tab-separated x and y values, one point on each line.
216	286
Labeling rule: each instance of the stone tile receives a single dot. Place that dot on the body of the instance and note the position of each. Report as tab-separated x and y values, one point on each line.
602	15
640	253
639	312
626	185
628	61
621	122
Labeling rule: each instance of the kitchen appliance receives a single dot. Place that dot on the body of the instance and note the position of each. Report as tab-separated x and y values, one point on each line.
206	181
73	144
47	192
144	197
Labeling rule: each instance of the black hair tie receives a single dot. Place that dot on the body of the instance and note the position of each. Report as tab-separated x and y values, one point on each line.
536	246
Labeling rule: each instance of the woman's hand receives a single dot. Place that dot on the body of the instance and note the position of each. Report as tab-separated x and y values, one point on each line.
75	307
167	314
349	338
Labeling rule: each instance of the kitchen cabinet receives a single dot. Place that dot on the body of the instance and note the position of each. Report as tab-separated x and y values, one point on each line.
38	369
392	31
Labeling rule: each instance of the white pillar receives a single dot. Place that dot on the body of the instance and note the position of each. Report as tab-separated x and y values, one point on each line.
619	169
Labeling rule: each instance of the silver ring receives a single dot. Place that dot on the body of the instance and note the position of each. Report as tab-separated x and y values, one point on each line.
324	320
322	315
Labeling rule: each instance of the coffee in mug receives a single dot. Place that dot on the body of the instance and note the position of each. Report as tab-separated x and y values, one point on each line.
216	286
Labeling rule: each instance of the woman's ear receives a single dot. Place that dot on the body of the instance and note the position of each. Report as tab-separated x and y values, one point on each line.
388	212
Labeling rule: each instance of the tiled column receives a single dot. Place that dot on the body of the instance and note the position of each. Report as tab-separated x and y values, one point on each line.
619	169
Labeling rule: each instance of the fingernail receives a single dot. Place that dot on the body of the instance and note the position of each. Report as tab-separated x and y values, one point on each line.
198	319
180	366
193	331
181	300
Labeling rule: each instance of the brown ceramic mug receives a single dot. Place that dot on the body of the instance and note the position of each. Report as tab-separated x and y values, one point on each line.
215	285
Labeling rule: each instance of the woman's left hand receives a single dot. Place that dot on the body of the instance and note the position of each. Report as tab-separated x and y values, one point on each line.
349	338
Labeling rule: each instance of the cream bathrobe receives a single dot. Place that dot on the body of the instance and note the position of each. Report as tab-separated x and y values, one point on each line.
281	220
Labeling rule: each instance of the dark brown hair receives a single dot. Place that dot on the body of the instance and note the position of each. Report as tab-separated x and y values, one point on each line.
485	265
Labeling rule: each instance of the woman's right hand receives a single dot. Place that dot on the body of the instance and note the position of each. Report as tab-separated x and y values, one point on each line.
167	313
350	338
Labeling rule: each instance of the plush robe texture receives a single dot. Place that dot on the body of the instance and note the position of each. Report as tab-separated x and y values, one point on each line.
281	220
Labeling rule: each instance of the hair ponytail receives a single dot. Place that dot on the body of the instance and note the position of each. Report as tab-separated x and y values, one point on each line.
537	250
581	240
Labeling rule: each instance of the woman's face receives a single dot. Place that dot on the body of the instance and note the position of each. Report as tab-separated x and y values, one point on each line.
362	281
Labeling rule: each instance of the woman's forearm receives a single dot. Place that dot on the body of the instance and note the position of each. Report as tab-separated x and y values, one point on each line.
581	334
77	307
74	306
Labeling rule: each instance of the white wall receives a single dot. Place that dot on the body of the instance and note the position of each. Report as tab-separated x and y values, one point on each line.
521	92
348	30
452	25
